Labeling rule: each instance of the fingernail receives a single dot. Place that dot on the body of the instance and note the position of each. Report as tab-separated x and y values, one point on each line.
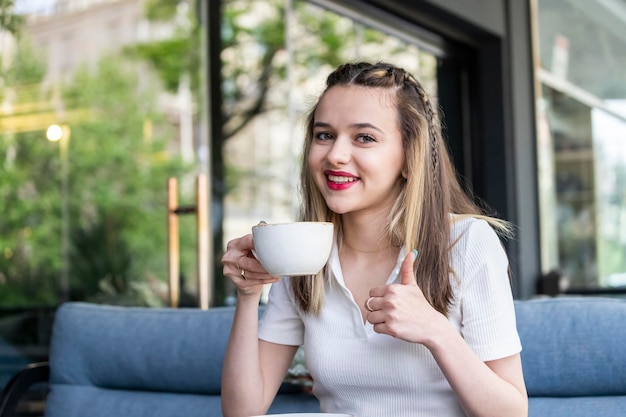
415	252
262	222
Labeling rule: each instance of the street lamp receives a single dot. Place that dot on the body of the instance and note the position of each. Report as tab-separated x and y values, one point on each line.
62	135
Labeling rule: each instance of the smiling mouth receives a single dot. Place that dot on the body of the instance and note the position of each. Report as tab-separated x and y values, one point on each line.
341	179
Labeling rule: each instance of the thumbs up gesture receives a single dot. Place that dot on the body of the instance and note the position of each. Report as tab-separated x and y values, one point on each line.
401	310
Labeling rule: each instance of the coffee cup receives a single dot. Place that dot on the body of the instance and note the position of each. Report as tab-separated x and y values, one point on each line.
293	249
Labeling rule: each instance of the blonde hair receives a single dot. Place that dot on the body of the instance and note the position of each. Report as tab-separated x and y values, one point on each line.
431	192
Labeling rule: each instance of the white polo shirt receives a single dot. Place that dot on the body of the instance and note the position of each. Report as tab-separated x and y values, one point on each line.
366	374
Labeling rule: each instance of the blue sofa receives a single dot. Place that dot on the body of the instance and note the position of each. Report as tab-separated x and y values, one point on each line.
126	361
109	361
574	356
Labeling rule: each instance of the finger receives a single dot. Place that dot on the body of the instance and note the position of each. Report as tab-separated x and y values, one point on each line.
406	270
238	262
379	291
380	327
248	261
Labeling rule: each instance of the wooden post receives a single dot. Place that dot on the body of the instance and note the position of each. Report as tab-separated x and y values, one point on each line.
203	241
173	245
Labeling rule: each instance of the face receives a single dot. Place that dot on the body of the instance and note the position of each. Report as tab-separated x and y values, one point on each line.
356	157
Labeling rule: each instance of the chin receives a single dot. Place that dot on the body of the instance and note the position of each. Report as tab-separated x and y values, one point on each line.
338	209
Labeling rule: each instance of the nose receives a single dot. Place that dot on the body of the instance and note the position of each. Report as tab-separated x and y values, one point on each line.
340	152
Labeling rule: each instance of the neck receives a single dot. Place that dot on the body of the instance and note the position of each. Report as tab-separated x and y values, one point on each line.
361	248
365	233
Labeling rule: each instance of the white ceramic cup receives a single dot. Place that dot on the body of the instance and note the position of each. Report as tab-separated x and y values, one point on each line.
293	249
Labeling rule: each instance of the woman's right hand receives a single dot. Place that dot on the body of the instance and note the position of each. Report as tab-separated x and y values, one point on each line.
244	269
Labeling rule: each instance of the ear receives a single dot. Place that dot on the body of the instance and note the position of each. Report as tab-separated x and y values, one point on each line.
405	174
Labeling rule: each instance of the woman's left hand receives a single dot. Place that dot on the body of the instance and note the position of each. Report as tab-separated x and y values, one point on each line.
402	311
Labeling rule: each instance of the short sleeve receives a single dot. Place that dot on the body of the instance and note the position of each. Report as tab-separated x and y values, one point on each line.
487	309
281	322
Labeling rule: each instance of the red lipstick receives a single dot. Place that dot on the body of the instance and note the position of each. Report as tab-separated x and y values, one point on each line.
339	180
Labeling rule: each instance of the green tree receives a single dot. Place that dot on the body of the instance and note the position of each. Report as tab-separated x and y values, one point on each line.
25	232
122	192
10	21
117	178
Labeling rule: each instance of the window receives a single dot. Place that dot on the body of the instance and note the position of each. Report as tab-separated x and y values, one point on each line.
582	141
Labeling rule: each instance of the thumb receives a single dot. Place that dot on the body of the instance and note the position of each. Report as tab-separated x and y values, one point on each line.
406	270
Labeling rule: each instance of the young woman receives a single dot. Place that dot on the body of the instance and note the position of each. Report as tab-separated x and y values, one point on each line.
413	314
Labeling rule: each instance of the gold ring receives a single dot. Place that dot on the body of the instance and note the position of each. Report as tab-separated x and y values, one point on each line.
367	304
243	274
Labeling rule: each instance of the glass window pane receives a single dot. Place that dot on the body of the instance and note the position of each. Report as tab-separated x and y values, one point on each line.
609	135
581	140
85	201
583	41
574	186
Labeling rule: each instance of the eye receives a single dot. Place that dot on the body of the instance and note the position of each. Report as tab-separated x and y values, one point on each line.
365	139
324	136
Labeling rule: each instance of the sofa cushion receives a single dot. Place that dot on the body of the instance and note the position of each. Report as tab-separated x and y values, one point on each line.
131	361
81	401
173	350
573	346
576	406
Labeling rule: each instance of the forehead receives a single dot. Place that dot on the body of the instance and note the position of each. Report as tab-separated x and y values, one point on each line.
357	104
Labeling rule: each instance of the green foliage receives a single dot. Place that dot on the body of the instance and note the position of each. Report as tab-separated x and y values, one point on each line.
161	10
175	56
99	253
8	20
170	59
117	189
123	189
26	198
27	68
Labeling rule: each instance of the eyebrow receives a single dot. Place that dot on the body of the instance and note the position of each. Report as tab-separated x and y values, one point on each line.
354	125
